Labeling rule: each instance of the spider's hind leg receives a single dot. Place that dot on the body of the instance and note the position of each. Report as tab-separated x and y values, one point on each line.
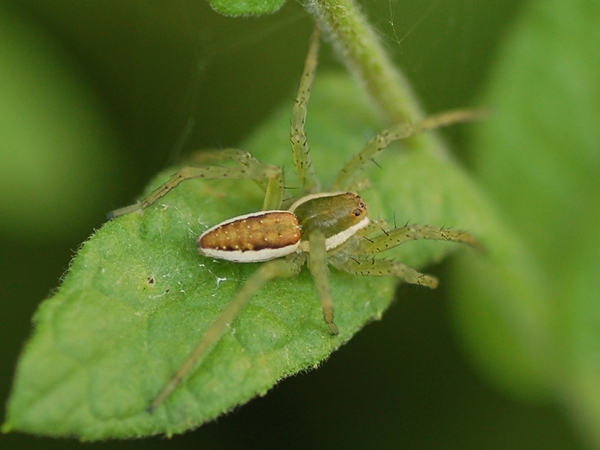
268	176
278	268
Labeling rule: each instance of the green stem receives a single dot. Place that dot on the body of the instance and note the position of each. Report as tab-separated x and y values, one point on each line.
356	42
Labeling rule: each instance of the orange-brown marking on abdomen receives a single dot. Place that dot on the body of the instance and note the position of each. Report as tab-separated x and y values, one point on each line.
268	230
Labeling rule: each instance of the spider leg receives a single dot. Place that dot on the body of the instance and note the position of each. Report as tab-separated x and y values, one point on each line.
349	174
374	225
300	148
319	270
383	268
249	168
278	268
398	236
241	157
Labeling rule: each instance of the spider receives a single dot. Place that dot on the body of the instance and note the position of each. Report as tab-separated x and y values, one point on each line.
319	228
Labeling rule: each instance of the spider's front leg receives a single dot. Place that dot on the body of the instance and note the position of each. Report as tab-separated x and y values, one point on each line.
359	265
319	270
300	148
278	268
356	262
392	238
249	168
349	174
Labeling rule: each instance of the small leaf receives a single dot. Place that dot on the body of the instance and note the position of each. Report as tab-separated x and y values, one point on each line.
246	7
138	295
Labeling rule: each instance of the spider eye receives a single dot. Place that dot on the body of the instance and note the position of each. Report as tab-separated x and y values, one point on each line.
357	212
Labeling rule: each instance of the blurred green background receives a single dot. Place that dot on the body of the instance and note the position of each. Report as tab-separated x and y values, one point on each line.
96	97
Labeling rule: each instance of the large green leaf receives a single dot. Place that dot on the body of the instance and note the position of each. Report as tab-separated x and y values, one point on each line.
138	295
540	159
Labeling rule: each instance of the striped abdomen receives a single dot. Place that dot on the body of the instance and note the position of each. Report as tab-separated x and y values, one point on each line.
253	237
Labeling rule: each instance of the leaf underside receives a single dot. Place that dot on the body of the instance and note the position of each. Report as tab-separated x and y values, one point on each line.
138	295
540	162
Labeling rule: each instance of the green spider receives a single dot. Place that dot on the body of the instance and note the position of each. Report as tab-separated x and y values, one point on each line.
320	228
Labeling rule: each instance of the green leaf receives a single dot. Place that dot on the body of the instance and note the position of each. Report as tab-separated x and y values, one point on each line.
540	159
246	7
138	295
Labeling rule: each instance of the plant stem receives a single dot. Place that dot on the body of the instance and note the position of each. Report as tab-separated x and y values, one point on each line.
355	41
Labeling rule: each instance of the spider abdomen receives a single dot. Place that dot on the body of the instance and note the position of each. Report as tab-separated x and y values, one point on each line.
253	237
